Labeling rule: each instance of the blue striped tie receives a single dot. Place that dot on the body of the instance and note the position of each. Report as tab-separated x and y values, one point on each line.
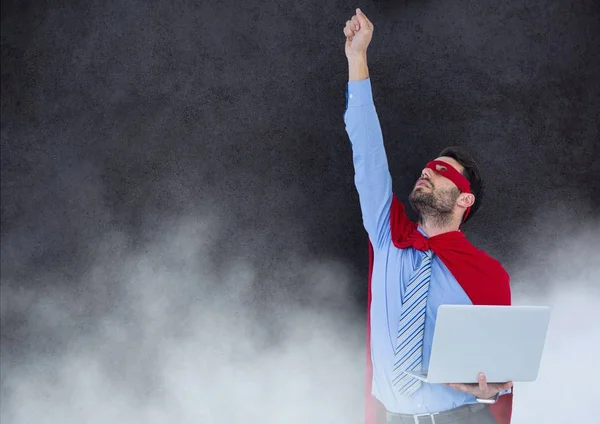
409	345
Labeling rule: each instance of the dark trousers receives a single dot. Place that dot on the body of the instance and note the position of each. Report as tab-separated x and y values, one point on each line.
474	414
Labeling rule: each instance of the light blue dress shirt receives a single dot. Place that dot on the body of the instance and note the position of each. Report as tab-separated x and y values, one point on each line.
393	267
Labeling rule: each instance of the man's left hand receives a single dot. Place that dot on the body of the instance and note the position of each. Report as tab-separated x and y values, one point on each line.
482	389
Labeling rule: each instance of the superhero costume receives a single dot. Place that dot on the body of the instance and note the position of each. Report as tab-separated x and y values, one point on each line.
482	277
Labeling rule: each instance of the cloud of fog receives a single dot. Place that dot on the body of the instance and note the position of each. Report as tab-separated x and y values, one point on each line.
566	388
565	276
156	336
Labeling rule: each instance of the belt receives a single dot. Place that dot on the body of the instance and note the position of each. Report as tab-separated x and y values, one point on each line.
455	415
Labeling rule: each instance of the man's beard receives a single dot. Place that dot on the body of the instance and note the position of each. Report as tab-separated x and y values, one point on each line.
434	207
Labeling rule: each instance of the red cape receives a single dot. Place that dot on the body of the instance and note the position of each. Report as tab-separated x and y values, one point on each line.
482	277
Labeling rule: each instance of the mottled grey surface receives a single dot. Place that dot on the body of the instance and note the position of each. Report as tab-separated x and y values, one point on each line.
175	166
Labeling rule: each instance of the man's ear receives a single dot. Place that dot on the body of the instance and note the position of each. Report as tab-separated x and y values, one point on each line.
466	200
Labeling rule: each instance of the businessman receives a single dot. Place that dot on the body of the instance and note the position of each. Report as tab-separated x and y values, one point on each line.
417	266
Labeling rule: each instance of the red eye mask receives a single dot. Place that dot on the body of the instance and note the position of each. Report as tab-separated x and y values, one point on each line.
446	170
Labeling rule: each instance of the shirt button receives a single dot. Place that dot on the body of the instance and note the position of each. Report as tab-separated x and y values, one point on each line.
351	95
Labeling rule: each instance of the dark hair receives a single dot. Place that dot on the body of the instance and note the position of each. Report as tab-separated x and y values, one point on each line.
471	172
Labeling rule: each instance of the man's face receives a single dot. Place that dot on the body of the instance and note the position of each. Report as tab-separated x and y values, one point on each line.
433	194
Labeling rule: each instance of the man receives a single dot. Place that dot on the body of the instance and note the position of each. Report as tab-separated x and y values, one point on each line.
417	267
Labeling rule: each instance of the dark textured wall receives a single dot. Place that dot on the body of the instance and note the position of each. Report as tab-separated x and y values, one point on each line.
131	125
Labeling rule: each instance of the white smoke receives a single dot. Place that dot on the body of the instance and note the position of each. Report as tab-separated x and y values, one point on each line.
566	388
567	280
156	335
181	344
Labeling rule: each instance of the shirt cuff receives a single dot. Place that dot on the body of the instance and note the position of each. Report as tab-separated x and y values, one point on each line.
358	93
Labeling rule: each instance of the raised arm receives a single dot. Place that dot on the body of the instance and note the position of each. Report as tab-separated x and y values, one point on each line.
372	175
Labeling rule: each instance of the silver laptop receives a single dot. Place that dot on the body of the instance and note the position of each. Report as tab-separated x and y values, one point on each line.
504	342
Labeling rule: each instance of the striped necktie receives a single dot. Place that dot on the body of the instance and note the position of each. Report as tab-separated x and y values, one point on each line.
409	345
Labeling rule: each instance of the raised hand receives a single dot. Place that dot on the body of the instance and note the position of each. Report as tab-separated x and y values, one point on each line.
358	32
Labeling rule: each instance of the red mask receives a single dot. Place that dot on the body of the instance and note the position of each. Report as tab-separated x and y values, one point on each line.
446	170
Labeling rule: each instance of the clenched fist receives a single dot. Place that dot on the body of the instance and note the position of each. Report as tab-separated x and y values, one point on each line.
358	32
